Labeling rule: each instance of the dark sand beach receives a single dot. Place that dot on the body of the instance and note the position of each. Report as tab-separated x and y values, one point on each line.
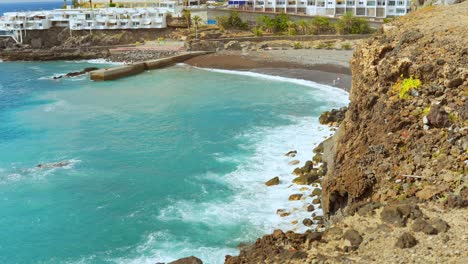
330	67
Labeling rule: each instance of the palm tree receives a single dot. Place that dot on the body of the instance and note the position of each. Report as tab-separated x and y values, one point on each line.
64	4
90	3
196	21
302	24
291	27
186	14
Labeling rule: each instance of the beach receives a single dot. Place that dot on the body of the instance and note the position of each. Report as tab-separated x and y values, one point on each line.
329	67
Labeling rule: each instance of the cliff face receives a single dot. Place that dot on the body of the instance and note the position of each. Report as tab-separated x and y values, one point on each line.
408	115
395	189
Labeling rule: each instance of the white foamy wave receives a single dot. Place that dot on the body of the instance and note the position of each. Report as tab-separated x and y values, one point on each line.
163	247
331	94
61	104
98	61
35	173
253	202
53	77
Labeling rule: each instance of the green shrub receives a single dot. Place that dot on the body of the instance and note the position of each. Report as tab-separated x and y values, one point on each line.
405	86
258	31
297	45
233	21
329	45
349	24
112	5
320	25
321	45
346	46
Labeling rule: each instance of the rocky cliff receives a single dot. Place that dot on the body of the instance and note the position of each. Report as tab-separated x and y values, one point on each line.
395	190
406	131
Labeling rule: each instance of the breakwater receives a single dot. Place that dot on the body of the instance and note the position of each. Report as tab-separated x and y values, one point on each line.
136	68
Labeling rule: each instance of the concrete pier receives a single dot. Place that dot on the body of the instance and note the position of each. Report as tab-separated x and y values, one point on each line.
136	68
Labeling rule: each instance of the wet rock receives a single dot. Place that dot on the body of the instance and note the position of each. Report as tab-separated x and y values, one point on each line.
295	197
188	260
316	201
319	148
353	237
273	181
307	222
421	225
294	162
278	234
406	240
291	154
282	212
310	208
316	192
335	115
318	218
305	179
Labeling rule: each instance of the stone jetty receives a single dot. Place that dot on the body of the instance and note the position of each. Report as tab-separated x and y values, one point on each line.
136	68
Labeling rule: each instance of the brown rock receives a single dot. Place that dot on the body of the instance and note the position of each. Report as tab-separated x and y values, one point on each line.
294	162
430	191
406	240
310	208
420	225
188	260
307	222
295	197
273	181
353	237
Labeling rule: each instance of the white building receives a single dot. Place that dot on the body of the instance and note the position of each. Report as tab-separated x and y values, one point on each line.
362	8
85	19
139	3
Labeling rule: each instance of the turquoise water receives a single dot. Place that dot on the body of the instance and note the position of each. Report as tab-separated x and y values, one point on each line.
162	165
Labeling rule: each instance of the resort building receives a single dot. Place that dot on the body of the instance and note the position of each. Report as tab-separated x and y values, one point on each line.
137	3
332	8
85	19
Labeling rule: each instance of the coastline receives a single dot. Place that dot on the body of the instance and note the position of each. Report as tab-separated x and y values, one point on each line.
329	67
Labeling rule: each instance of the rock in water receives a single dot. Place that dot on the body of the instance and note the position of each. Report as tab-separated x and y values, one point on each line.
295	197
291	154
188	260
406	240
294	162
274	181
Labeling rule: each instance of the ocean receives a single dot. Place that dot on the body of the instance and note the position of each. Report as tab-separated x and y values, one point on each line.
29	6
163	165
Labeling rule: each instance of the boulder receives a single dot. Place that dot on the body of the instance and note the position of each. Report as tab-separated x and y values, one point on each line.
188	260
233	45
291	154
420	225
307	222
295	197
406	240
305	179
354	238
438	117
316	192
294	162
273	181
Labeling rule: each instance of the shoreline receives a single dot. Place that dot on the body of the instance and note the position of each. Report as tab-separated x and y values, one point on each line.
330	72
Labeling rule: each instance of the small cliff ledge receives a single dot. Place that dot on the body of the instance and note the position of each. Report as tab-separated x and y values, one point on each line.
406	132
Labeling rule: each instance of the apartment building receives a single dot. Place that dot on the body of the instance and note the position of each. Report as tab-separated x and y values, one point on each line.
332	8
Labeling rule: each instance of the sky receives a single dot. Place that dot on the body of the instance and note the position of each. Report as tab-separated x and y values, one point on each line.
16	1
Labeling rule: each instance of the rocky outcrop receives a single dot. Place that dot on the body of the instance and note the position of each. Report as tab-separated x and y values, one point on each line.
403	132
396	169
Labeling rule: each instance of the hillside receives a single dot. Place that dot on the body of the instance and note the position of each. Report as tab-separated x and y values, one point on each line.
395	190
